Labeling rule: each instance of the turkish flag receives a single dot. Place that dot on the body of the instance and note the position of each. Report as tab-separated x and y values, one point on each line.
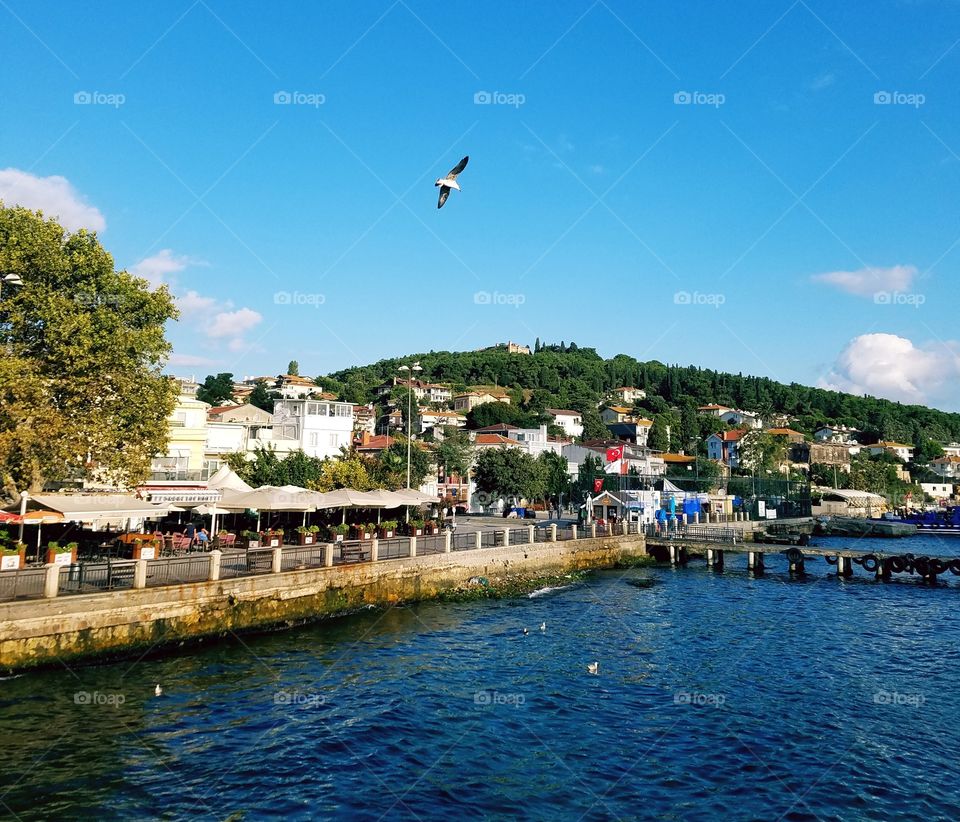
597	486
615	453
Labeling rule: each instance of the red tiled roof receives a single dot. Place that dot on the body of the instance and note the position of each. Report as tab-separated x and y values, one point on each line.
556	412
677	458
376	443
784	432
493	439
731	436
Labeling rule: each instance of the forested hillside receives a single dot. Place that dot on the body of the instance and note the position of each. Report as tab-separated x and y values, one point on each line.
567	376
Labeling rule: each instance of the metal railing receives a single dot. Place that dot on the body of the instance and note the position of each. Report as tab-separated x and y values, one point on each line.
191	568
693	533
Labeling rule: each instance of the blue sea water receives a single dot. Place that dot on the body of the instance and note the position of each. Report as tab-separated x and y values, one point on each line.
718	696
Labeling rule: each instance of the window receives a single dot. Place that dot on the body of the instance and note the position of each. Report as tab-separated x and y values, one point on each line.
313	438
334	440
312	408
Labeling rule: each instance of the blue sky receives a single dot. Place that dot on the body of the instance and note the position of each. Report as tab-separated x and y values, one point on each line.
758	187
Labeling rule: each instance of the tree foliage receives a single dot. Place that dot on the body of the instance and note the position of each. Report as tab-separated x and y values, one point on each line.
509	473
81	388
216	389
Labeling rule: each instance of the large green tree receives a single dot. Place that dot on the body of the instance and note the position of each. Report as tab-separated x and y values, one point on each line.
82	392
509	473
216	389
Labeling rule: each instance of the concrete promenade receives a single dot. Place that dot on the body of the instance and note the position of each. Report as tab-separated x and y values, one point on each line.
53	630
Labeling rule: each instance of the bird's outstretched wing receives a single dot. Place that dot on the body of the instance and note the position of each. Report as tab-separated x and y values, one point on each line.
444	193
458	168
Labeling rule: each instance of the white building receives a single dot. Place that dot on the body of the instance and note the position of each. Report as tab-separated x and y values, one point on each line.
741	418
318	428
938	490
835	433
951	450
629	395
902	452
426	420
535	440
946	467
570	421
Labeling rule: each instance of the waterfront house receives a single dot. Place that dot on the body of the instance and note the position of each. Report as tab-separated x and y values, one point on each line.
940	491
319	429
902	452
616	413
636	431
437	420
723	447
836	433
183	459
947	467
466	402
628	395
570	421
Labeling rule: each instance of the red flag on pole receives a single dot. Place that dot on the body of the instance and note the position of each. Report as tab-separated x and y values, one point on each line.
597	486
615	453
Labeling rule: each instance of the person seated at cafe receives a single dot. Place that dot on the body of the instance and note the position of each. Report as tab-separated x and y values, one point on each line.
190	532
203	538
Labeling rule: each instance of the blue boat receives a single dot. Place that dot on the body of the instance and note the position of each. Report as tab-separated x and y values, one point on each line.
945	522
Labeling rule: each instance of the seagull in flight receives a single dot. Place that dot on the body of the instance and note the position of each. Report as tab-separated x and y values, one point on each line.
450	181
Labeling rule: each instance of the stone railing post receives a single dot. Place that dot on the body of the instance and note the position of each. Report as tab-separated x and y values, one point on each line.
506	537
51	581
140	574
413	546
277	559
478	540
531	534
215	556
374	550
447	542
593	530
328	555
573	532
553	532
696	517
626	527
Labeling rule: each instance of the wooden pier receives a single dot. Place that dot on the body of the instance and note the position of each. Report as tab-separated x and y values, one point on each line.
679	547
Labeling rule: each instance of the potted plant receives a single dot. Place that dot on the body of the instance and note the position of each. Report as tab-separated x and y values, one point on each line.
144	549
340	532
387	528
12	556
429	527
416	528
271	539
61	555
250	539
305	536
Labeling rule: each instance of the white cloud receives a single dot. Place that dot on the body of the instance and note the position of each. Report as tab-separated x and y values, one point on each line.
194	303
232	324
156	268
190	359
892	367
867	282
54	196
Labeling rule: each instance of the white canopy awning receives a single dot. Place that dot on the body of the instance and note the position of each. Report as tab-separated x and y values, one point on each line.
275	498
226	479
85	507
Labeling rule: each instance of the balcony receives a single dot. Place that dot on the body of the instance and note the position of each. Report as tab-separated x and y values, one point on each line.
181	475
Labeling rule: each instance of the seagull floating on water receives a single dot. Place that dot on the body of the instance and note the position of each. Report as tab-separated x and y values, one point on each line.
525	631
543	626
450	181
593	668
158	690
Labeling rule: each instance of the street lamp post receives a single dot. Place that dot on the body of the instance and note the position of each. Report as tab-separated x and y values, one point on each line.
11	278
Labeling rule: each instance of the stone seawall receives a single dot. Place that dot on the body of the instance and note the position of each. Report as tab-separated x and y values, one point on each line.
45	632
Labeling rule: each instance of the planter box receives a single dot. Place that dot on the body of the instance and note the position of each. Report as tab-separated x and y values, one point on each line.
11	562
146	551
307	539
248	543
61	557
270	540
416	532
338	537
385	534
